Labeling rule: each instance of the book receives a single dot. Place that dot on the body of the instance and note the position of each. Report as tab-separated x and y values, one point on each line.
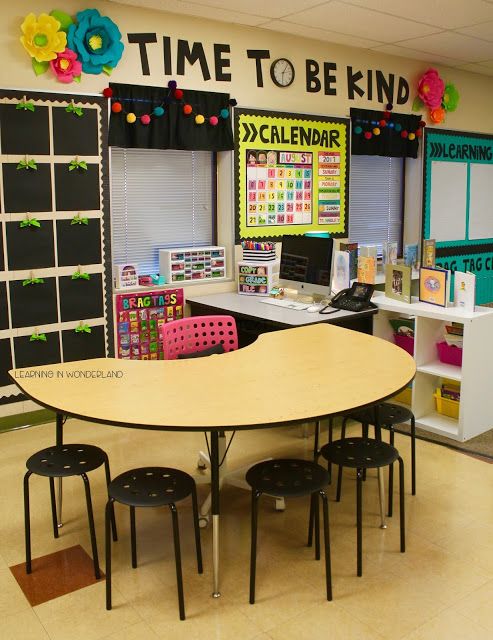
398	282
368	250
340	271
352	249
434	286
464	290
367	269
389	252
403	326
411	255
429	252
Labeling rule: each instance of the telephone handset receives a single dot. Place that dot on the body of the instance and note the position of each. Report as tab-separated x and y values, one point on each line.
356	298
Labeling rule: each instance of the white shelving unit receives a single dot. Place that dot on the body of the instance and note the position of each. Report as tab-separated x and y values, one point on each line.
475	376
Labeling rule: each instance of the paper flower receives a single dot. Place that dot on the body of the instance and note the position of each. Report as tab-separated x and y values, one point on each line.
430	88
42	38
437	115
96	40
450	98
65	66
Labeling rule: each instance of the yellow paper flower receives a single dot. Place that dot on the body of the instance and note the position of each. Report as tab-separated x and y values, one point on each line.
42	38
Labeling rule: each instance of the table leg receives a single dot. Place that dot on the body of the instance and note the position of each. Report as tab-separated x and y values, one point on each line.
59	442
215	511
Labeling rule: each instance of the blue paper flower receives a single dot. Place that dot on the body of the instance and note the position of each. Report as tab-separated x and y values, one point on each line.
97	41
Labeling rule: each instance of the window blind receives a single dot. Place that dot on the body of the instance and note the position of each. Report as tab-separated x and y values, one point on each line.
159	199
376	200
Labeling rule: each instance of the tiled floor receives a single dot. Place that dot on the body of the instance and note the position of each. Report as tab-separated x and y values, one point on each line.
442	587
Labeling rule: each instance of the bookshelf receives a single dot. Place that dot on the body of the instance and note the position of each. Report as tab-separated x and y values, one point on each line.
474	376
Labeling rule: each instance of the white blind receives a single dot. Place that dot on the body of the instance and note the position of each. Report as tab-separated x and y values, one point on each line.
376	200
159	199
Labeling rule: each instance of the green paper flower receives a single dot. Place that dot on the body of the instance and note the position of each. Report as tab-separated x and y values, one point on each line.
78	220
71	108
79	275
29	222
38	336
32	281
76	164
83	328
27	106
27	164
450	98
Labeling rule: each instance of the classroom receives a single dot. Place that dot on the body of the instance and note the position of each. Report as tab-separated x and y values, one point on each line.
246	260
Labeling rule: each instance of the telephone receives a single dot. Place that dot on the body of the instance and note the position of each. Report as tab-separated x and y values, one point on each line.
356	298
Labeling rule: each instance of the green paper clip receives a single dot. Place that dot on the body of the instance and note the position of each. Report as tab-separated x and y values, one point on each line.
29	222
38	336
27	106
78	220
79	275
27	164
76	164
32	281
83	328
71	108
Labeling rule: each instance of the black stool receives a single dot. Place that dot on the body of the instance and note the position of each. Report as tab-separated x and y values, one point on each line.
361	454
61	462
384	415
287	478
152	487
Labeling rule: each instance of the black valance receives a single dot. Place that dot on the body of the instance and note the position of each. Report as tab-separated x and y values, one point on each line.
172	129
386	139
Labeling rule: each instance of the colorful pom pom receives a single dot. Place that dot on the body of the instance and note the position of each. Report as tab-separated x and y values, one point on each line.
422	124
368	134
383	123
404	134
224	113
389	106
386	115
108	92
199	119
116	107
178	94
376	131
213	120
419	133
187	109
158	111
172	84
411	136
233	102
145	119
131	118
358	129
390	125
398	126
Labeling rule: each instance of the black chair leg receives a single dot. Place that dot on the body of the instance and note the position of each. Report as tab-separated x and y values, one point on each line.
391	478
413	456
328	571
27	522
92	529
359	521
53	508
198	547
339	472
108	480
179	577
329	440
310	521
108	512
317	525
401	500
253	551
316	440
364	432
133	537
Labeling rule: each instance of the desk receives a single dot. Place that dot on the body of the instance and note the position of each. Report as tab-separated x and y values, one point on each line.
315	371
253	317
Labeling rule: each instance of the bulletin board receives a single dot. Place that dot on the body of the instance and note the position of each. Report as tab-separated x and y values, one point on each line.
458	203
291	174
55	258
139	321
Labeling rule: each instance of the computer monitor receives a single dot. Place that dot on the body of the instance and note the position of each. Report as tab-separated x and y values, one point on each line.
306	263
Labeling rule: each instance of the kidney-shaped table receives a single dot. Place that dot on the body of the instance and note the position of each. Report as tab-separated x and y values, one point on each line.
285	377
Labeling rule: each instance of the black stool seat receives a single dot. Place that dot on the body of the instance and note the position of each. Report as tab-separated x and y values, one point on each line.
287	477
388	414
66	460
360	453
151	487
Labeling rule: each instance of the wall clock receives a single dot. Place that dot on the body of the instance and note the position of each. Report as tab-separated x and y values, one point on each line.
282	72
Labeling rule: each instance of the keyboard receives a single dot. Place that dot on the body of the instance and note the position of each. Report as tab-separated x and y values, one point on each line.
287	304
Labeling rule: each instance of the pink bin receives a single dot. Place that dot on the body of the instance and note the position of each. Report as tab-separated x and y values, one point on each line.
405	342
449	353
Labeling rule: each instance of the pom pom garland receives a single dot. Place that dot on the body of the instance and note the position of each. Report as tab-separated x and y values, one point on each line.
371	128
376	131
368	135
174	94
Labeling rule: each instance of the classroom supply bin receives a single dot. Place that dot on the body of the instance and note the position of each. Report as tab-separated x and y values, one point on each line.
257	255
449	353
445	406
405	342
404	396
191	264
257	279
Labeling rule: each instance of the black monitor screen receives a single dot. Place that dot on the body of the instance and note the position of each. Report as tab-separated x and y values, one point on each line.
306	259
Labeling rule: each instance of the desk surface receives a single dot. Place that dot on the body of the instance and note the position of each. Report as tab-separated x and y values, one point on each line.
250	306
285	376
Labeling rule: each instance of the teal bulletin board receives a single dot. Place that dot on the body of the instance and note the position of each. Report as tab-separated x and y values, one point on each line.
458	203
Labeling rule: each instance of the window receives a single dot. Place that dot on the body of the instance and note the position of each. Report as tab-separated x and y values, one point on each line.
160	199
376	196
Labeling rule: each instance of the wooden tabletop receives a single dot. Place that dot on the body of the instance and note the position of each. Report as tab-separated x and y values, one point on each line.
285	376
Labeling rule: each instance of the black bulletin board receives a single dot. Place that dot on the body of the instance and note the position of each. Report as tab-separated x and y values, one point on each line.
75	136
30	247
79	243
26	190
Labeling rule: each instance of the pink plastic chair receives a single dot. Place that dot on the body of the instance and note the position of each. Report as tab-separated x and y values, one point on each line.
198	333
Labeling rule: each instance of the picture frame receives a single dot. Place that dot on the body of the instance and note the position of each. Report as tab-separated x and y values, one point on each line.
434	286
398	282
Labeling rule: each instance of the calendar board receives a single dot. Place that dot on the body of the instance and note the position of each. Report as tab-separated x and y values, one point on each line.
292	174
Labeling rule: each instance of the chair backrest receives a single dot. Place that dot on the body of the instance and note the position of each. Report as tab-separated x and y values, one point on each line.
198	333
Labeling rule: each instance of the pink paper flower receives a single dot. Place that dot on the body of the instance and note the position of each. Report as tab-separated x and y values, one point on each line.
66	67
431	88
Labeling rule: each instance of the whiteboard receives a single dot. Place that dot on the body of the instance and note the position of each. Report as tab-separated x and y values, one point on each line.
448	201
481	202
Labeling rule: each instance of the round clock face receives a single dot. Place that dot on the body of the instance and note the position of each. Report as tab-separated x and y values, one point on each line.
282	72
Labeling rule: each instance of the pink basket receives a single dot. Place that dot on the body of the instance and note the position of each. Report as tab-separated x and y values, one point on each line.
405	342
449	353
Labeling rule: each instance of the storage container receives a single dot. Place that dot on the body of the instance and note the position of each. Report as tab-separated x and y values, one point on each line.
189	264
445	406
405	342
404	396
449	353
257	279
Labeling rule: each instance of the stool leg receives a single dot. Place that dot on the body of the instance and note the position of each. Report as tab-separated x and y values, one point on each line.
328	571
195	510
133	537
339	472
179	578
359	523
413	456
401	500
391	476
310	521
315	440
365	427
108	514
317	525
53	507
329	440
381	496
92	529
253	550
108	480
27	522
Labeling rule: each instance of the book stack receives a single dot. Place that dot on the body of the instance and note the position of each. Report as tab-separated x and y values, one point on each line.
450	390
454	334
